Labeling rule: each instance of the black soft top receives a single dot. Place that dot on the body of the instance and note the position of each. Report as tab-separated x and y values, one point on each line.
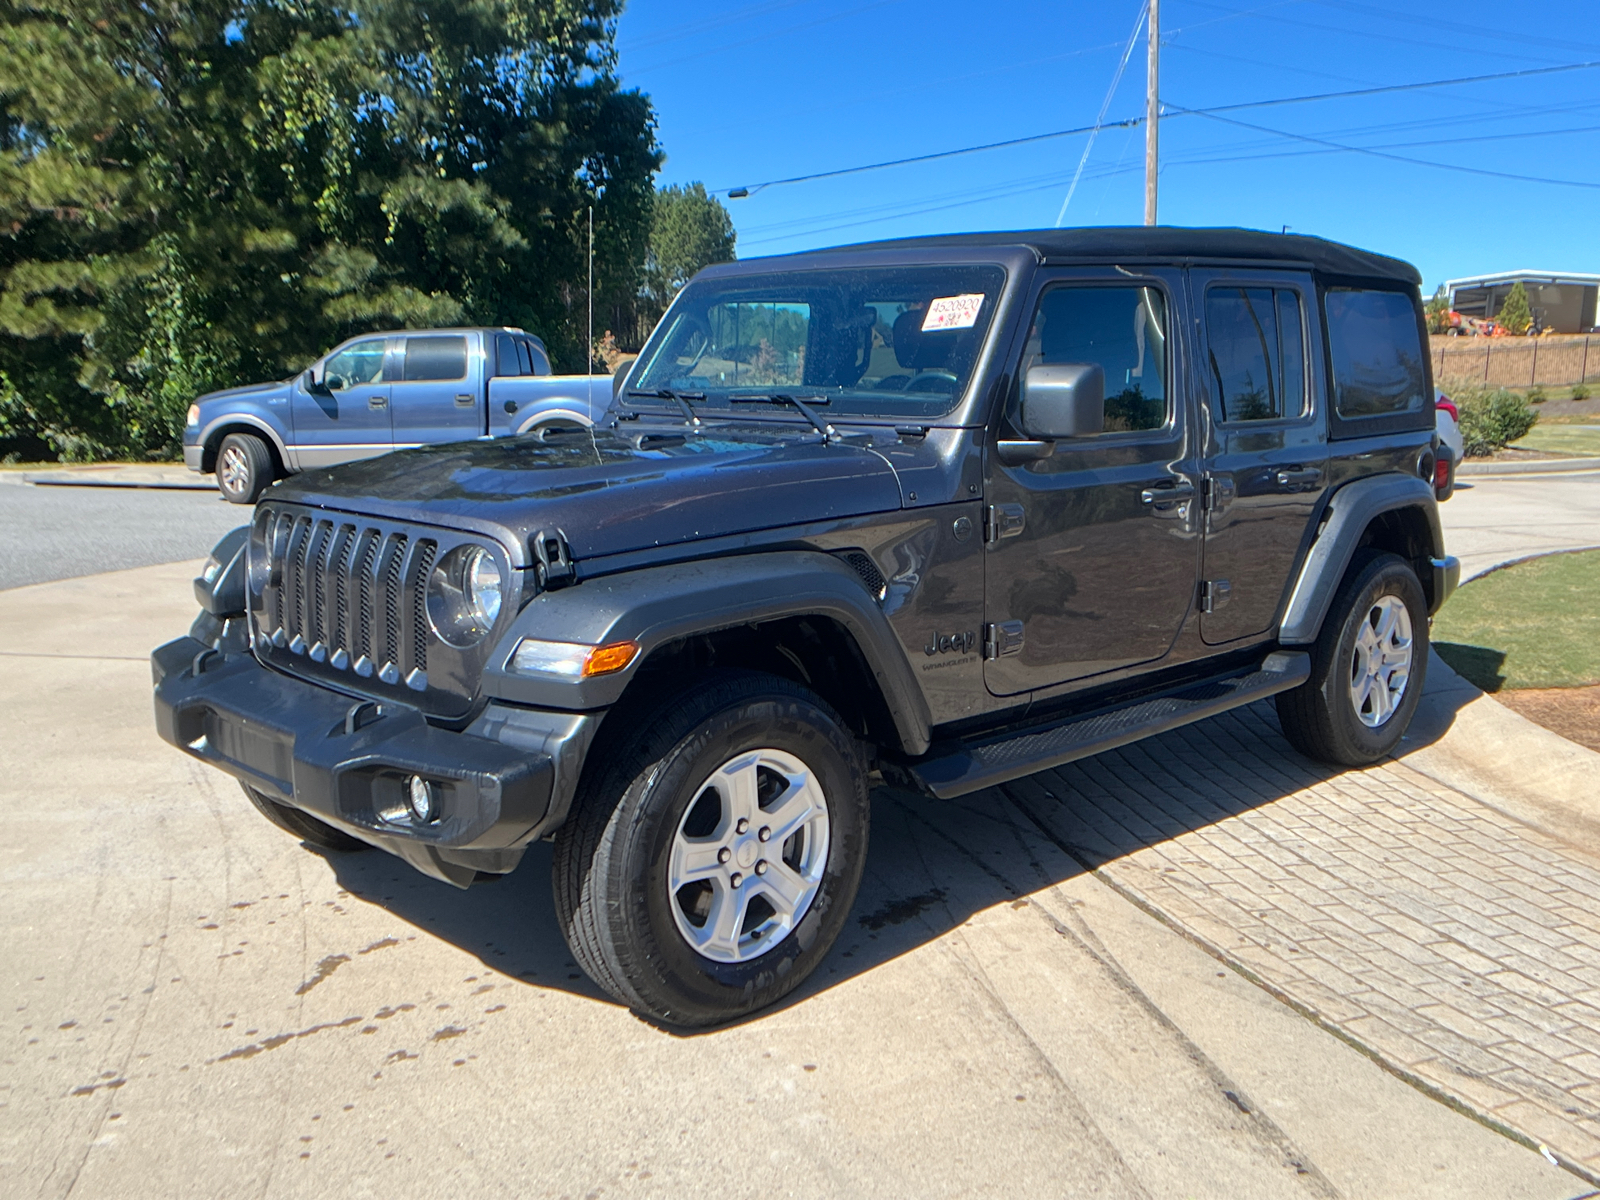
1174	244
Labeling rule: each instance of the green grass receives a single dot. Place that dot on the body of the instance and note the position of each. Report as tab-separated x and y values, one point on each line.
1563	439
1534	625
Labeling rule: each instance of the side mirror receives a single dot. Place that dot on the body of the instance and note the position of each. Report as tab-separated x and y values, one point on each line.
620	376
1063	400
313	379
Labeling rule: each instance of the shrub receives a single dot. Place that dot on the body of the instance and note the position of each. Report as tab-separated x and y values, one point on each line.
1536	395
1515	314
1580	391
1490	420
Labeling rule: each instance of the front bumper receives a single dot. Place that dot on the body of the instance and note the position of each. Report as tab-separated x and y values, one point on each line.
346	761
194	456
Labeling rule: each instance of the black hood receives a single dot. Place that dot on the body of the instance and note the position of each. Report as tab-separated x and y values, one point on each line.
610	493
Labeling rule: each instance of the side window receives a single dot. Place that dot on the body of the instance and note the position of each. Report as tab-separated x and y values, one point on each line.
435	358
506	359
1124	329
355	365
1376	353
1255	345
525	354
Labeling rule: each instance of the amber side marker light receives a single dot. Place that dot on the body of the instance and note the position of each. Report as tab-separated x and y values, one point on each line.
572	660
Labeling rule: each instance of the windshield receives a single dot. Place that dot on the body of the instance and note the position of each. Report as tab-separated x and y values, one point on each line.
876	341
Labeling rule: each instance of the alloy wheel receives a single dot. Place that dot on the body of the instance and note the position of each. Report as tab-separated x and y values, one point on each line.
748	856
1380	663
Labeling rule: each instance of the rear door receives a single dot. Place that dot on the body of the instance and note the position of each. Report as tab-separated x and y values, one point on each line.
350	419
436	395
1093	551
1267	453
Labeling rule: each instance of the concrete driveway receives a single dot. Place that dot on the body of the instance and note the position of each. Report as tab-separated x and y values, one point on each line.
1495	519
202	1006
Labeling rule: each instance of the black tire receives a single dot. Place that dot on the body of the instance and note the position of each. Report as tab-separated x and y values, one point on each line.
612	857
307	829
244	468
1320	717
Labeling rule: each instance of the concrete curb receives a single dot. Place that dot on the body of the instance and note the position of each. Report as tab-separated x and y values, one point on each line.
117	475
1467	741
1542	466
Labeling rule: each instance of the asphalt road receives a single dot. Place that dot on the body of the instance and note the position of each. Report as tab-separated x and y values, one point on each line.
51	533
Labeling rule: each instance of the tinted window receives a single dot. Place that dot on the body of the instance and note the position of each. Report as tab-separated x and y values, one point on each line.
1124	329
1255	353
524	358
436	358
354	365
1376	353
540	360
891	340
506	357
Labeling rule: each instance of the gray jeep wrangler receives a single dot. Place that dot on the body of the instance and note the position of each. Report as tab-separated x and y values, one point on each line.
951	510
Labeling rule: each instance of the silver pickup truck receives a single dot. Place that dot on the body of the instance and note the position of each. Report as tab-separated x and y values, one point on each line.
381	392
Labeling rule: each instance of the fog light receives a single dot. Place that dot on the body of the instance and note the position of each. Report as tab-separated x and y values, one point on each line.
422	798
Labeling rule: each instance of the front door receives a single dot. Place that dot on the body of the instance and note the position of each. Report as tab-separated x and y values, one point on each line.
350	419
1267	459
434	398
1094	550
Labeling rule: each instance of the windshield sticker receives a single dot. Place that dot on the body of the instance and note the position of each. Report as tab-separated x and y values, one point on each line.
953	312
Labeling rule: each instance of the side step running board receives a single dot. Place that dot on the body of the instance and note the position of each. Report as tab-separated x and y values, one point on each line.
977	765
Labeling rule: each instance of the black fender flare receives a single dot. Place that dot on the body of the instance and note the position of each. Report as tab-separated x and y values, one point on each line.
656	605
1350	510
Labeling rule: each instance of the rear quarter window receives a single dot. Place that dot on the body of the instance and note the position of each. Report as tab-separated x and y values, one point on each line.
1380	376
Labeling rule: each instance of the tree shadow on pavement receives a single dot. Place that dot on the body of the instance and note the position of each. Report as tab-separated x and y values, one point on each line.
931	865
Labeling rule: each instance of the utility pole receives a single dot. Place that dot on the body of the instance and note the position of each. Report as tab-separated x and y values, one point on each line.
590	370
1152	114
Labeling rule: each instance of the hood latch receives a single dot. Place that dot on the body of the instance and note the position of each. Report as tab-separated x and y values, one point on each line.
553	565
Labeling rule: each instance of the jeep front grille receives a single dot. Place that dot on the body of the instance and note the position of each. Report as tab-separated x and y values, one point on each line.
347	593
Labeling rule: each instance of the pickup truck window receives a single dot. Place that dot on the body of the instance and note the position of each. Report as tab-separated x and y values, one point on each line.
895	341
1255	353
1124	329
1376	353
435	358
355	365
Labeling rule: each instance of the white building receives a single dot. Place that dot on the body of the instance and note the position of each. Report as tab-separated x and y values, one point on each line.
1563	302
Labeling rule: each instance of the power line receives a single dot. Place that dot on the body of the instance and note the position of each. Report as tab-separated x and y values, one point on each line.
1422	162
876	214
747	189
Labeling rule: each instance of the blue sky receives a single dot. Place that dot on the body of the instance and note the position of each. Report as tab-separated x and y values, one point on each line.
753	90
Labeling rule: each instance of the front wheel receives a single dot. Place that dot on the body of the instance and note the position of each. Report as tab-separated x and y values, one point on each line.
1367	667
707	871
244	468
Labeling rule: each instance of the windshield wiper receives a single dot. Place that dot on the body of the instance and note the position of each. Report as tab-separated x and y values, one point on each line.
681	399
827	431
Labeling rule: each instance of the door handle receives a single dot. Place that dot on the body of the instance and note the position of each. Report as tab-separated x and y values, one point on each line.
464	399
377	402
1295	478
1166	493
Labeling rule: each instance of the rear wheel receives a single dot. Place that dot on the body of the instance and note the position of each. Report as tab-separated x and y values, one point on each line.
1367	667
307	829
710	867
244	468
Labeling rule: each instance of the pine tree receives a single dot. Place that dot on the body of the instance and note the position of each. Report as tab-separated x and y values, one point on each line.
689	229
1437	311
196	193
1514	314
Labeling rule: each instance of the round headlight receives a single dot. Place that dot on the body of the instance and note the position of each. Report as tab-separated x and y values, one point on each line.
465	593
483	586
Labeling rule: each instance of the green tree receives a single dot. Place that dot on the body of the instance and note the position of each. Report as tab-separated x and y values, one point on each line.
1437	311
689	229
196	193
1514	314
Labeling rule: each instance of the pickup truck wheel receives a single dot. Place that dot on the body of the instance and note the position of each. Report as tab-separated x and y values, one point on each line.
244	468
307	829
712	864
1367	667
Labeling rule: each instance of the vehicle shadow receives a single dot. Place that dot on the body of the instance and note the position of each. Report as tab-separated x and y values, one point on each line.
931	865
